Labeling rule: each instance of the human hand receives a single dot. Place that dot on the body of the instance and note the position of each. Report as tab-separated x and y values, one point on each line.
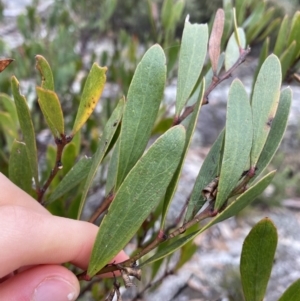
33	244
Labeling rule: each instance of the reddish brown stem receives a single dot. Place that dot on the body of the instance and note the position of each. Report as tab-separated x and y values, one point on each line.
103	206
60	145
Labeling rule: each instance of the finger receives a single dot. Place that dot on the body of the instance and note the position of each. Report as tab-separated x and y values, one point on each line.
13	195
32	238
41	283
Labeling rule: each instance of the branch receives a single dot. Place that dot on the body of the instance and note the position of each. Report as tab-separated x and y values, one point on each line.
103	206
60	145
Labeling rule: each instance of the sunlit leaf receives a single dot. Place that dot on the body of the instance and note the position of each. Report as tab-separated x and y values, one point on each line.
51	108
257	259
264	103
138	195
91	93
237	143
26	127
108	133
46	73
143	100
19	168
191	58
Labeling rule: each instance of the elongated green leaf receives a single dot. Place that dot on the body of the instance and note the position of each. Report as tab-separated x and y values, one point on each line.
26	127
264	103
264	23
191	58
257	259
91	93
138	195
238	141
292	293
232	52
19	168
215	39
262	57
189	134
51	108
8	128
287	58
108	133
75	176
234	208
241	6
278	128
9	105
270	29
112	169
206	174
294	33
227	6
143	100
255	17
46	73
68	158
281	38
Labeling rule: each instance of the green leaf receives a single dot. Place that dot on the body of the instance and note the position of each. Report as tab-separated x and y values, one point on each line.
287	58
9	106
112	169
189	134
138	195
232	52
46	73
257	259
75	176
262	18
281	38
292	293
264	52
294	33
277	131
108	133
206	174
227	6
215	39
51	108
264	103
91	93
8	129
238	141
234	208
143	100
270	29
68	157
191	59
19	168
241	6
27	128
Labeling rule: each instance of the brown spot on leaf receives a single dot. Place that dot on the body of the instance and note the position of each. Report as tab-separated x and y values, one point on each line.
4	63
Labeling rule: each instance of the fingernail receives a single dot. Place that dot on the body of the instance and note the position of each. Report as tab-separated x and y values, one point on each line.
55	288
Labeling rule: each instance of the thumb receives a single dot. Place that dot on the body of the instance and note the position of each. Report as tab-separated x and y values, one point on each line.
41	283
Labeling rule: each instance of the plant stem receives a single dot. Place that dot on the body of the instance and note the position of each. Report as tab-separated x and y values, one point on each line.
103	206
60	145
214	83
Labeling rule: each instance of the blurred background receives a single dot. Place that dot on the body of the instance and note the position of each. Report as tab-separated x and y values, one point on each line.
72	35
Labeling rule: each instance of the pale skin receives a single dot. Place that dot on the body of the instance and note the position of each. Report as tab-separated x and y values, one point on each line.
34	244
